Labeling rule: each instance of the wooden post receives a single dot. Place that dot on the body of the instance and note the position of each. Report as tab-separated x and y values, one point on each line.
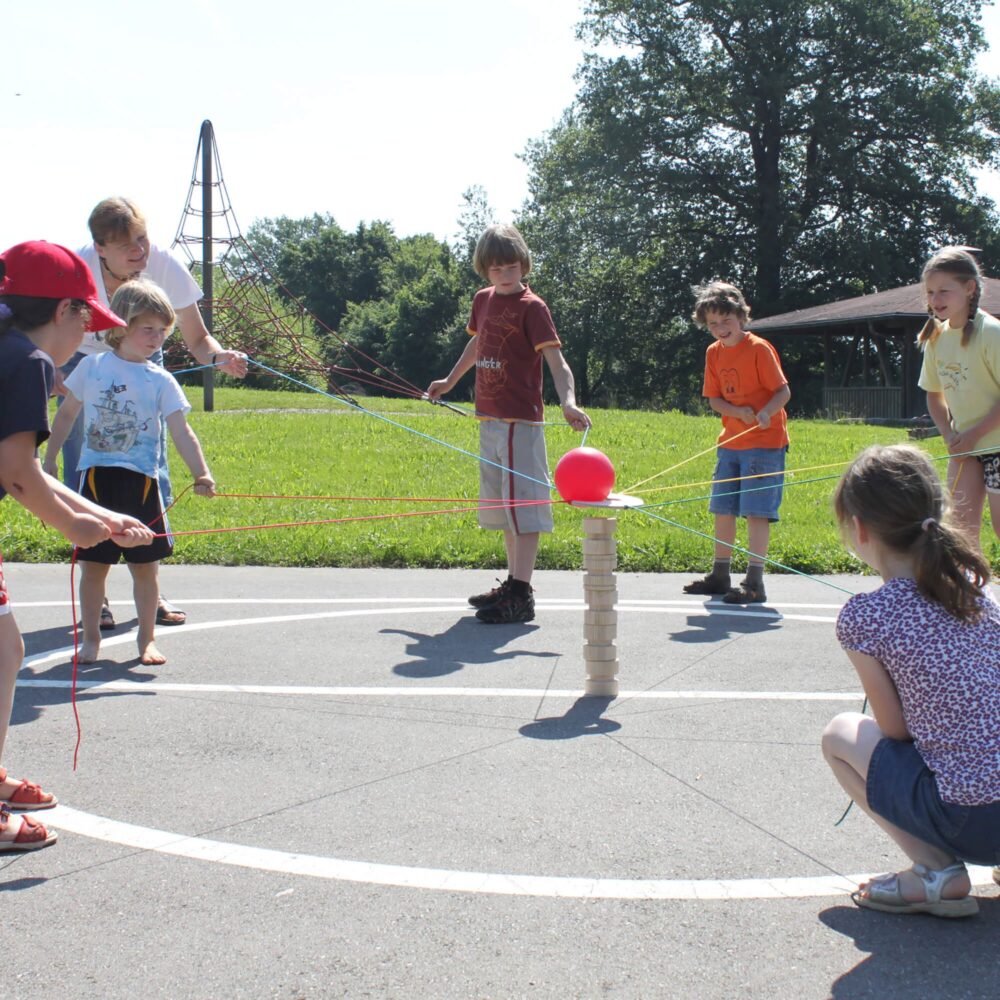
600	594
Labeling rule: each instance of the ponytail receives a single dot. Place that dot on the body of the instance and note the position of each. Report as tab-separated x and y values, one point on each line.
896	492
970	323
950	570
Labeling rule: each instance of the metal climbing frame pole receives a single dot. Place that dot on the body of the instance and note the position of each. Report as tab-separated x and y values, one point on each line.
207	143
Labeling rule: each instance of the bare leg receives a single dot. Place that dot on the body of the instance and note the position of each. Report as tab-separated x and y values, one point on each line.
93	577
146	590
994	501
965	480
522	550
11	657
848	744
725	535
509	544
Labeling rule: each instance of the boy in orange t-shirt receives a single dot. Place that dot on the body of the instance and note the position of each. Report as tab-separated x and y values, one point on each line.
745	385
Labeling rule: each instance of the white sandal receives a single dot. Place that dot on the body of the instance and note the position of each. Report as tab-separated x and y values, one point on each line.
883	894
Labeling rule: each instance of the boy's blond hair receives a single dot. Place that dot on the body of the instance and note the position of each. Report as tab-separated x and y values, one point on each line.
500	245
134	300
720	297
115	219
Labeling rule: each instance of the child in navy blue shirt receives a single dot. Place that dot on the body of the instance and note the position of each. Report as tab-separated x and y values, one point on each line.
47	301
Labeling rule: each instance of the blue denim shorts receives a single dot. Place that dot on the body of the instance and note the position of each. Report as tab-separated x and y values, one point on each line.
902	789
734	493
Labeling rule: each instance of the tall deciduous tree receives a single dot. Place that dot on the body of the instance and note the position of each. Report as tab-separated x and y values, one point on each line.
802	149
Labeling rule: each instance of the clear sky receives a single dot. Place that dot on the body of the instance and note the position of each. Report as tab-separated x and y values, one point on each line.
374	109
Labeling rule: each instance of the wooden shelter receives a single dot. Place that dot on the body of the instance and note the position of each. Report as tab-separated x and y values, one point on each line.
879	377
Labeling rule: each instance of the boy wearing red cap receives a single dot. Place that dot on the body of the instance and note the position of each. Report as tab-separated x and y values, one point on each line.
47	301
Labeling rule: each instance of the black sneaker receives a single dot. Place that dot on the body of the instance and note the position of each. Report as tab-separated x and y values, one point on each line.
508	608
746	593
491	596
709	585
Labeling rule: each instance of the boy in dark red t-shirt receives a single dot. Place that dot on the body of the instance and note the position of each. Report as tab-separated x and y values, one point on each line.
511	330
745	385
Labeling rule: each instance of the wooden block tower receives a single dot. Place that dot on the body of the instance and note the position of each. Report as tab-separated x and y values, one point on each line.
600	619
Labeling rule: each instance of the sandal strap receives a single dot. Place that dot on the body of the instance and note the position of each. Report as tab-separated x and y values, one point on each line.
29	794
935	879
31	832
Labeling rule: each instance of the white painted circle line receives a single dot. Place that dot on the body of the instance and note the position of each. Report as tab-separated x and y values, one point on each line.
566	887
400	691
66	652
197	848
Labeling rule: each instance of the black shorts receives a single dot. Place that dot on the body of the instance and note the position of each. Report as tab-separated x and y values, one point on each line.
125	492
991	471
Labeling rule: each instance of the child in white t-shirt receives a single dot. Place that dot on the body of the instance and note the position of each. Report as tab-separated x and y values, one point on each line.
124	398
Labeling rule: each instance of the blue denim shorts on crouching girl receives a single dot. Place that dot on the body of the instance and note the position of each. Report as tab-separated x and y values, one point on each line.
736	494
901	788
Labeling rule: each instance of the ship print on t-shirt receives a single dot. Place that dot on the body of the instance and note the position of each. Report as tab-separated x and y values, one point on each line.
114	427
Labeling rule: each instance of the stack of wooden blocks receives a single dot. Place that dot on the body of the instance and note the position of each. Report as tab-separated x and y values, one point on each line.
600	619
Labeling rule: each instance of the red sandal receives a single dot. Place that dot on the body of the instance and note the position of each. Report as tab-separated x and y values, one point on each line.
27	795
32	835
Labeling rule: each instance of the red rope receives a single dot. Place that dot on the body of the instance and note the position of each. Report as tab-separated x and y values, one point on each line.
76	655
367	517
283	496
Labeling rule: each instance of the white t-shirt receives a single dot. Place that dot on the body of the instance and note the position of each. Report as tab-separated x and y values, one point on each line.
162	268
123	404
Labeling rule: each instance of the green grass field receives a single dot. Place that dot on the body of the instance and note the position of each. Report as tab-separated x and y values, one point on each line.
296	444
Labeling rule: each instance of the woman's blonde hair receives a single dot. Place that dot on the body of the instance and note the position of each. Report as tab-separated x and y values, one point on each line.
962	265
135	299
720	297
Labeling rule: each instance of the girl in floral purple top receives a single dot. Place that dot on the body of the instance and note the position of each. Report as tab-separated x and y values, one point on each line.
926	646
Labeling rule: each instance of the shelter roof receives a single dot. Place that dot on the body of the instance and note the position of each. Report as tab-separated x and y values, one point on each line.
907	303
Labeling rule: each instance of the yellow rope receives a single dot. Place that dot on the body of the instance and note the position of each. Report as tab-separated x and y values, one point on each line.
718	444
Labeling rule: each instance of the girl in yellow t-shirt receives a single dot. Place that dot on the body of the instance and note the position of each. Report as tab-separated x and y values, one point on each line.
961	374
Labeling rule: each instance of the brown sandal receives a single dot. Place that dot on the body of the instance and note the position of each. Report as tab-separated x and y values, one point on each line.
32	835
27	795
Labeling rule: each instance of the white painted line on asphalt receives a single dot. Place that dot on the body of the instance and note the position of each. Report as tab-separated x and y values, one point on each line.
458	601
442	879
398	691
66	652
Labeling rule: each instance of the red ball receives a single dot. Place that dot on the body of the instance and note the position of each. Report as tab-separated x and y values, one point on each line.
585	474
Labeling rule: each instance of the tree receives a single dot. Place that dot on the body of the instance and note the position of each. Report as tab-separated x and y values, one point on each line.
417	326
807	129
801	149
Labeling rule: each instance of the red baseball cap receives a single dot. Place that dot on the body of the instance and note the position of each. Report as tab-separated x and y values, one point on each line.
49	271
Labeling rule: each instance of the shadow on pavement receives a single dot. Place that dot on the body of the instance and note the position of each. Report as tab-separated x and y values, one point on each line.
30	701
918	956
462	644
718	626
583	719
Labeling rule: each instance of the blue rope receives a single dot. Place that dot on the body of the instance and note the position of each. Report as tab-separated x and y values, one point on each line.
750	489
187	371
737	548
396	423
